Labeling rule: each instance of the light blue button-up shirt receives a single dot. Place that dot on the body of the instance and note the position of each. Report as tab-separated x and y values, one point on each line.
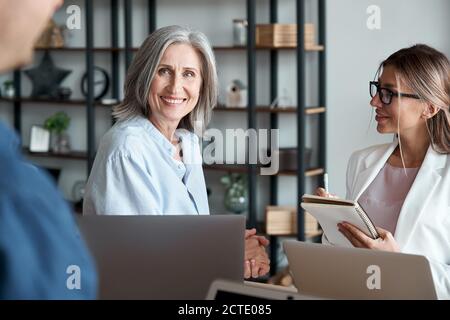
134	173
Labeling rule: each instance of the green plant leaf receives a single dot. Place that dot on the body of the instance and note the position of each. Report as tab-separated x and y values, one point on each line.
58	123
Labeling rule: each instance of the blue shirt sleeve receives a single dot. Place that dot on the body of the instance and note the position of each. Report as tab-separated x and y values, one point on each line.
121	185
42	255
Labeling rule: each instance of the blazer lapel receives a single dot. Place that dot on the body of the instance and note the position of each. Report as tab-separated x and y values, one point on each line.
373	164
418	196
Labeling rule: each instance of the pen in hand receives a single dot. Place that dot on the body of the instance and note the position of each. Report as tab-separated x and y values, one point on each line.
324	192
325	182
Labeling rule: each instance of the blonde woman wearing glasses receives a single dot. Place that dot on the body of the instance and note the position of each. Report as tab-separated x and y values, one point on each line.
404	186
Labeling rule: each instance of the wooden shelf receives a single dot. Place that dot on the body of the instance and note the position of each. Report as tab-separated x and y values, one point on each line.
308	110
81	49
315	110
313	234
308	235
75	155
226	167
314	172
216	48
309	48
242	48
244	169
81	155
308	173
71	102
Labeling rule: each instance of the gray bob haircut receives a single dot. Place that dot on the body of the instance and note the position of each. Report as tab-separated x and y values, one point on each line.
143	68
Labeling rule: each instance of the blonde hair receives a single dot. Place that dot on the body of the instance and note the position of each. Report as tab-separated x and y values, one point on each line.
143	68
427	72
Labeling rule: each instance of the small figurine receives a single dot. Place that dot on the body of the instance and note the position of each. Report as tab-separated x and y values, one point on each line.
236	94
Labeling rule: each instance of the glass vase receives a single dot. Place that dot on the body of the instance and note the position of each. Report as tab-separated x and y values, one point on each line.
60	142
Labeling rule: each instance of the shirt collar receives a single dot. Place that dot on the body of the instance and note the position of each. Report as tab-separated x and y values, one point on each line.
184	135
168	147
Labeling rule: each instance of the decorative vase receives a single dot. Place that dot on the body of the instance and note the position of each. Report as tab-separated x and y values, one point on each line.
239	32
236	195
64	93
60	142
235	203
9	91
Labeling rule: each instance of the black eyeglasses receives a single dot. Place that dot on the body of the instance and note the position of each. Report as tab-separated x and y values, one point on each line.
386	94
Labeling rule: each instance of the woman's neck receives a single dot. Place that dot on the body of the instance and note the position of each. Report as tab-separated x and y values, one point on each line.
166	128
414	147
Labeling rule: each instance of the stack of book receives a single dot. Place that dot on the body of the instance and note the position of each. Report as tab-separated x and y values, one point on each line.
283	35
282	220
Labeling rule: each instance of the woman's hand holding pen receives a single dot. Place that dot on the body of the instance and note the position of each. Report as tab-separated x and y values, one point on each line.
323	193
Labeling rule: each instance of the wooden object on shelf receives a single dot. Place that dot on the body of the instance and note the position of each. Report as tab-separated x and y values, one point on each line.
282	220
51	37
282	278
283	35
287	158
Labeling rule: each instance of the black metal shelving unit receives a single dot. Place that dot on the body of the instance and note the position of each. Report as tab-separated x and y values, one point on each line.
273	14
90	113
301	110
115	58
251	114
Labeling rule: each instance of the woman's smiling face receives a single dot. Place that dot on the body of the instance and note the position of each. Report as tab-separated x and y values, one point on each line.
175	89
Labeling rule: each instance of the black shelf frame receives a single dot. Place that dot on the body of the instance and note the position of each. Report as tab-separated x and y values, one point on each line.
301	113
115	58
90	112
273	18
216	48
128	33
322	85
17	104
301	63
251	117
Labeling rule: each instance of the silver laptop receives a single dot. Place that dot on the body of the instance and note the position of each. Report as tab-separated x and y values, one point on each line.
227	290
164	257
352	273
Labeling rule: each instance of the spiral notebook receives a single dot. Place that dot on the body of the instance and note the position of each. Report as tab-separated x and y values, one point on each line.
331	211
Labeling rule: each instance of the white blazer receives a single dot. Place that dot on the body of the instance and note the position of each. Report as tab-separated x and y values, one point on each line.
423	226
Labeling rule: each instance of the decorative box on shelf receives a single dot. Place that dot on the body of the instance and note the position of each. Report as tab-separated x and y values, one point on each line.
282	220
287	158
283	35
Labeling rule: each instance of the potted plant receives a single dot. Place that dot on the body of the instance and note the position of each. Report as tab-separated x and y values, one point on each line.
236	194
57	124
8	89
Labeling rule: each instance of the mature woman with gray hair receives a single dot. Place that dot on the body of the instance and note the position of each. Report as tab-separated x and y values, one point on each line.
150	162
